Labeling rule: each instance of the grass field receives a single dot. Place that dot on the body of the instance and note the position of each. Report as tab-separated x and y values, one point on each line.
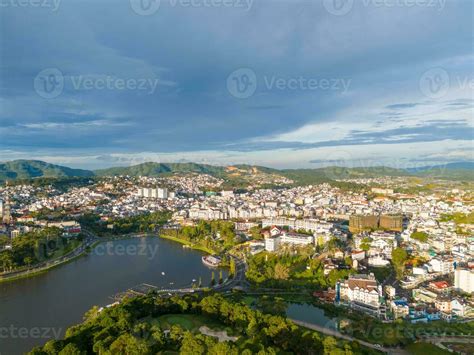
460	347
425	348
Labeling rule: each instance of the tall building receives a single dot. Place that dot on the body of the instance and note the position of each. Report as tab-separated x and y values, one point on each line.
156	192
464	278
162	192
6	214
391	222
360	223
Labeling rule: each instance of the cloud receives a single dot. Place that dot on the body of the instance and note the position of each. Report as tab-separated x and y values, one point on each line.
191	52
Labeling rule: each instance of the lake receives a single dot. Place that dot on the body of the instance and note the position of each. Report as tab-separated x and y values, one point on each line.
38	309
310	314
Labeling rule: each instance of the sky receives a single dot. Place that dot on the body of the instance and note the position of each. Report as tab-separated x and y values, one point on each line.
280	83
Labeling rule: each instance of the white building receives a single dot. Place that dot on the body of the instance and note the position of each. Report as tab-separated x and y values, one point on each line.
162	193
149	192
442	265
272	243
360	288
297	239
464	279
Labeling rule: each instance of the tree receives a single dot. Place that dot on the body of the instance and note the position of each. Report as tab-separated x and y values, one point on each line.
127	344
281	272
28	261
420	236
192	345
4	240
6	260
399	257
232	268
71	349
223	348
91	314
366	243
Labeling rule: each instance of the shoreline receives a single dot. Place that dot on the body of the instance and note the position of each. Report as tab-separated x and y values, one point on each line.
184	242
27	274
43	270
33	272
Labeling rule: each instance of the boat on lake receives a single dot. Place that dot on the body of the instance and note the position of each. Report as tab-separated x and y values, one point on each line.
211	260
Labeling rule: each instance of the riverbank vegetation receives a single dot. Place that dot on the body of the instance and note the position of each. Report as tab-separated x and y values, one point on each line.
143	223
215	237
290	270
150	325
36	247
398	333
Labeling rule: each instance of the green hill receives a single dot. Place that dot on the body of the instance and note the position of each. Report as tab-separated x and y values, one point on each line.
157	169
28	169
234	176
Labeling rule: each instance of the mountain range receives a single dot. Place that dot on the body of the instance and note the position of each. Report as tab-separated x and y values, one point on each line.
28	169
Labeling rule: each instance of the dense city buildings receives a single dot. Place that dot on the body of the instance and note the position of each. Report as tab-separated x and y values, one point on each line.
422	242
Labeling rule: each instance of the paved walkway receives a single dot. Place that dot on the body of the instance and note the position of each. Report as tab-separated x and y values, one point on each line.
43	266
339	335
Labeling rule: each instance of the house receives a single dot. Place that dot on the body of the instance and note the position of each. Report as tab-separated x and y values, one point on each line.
399	308
272	244
297	239
442	265
274	231
360	288
276	237
464	278
443	304
460	307
338	254
358	255
439	286
417	314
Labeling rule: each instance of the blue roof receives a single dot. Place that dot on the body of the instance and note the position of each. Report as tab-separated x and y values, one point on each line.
401	302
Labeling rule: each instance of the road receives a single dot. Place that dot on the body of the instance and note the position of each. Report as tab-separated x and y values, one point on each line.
337	334
440	341
45	265
237	280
